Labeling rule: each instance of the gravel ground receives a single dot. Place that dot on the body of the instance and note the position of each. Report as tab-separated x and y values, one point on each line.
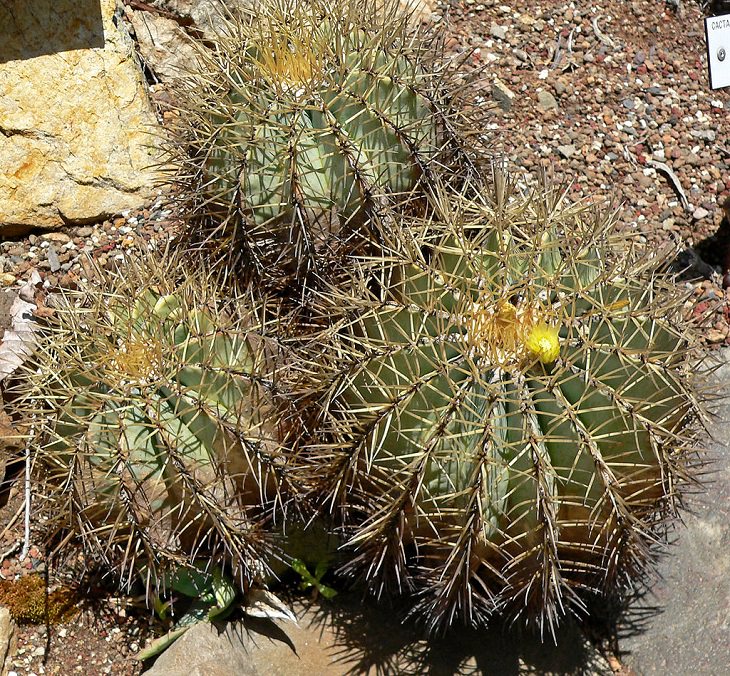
611	98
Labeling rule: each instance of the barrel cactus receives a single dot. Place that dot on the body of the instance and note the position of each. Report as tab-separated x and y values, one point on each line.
307	123
508	413
158	427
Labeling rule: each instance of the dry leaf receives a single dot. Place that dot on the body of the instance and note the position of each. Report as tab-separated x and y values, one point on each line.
19	340
262	603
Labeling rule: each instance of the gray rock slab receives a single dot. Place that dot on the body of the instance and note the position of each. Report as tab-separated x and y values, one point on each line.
686	627
163	45
348	637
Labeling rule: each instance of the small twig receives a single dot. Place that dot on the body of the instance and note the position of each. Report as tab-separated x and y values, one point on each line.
724	150
601	35
629	156
27	502
9	550
146	7
569	46
667	170
11	523
557	53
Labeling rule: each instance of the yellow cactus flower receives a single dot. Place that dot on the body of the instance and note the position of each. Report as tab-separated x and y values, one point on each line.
543	342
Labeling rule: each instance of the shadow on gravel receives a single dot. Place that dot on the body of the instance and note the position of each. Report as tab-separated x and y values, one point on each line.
709	255
367	639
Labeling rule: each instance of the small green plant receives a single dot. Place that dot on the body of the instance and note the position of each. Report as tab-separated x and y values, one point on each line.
158	422
308	123
313	580
508	413
212	595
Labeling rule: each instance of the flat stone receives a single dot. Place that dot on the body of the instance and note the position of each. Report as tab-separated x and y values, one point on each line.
58	237
546	101
700	213
704	134
349	636
74	115
499	32
686	617
567	151
502	94
52	257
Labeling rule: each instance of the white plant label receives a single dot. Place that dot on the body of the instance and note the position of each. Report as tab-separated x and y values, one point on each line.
717	31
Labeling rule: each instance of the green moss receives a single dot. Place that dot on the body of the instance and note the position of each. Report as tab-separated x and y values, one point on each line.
30	602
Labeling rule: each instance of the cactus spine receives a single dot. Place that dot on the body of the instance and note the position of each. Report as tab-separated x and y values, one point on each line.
512	413
310	122
159	430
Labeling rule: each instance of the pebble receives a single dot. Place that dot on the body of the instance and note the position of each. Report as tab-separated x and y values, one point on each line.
58	237
567	151
716	335
53	261
502	94
499	32
704	134
546	101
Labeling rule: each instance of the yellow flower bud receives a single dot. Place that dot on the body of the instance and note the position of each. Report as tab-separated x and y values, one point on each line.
543	342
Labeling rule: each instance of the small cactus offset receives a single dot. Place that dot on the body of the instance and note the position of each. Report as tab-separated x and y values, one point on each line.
308	122
509	414
158	425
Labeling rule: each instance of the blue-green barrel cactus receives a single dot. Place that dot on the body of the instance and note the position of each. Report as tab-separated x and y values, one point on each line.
307	123
158	430
509	414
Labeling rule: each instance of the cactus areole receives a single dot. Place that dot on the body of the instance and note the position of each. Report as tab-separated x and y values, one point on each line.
515	413
309	121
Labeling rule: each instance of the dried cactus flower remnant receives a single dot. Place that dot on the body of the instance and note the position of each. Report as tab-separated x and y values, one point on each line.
511	414
510	334
159	433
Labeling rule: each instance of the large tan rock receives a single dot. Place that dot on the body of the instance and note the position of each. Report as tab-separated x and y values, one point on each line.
349	636
75	119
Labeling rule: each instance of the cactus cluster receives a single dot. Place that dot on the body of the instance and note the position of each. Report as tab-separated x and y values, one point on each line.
308	123
513	412
488	391
163	442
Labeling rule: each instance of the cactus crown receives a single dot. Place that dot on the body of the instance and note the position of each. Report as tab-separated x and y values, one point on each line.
159	426
514	409
291	61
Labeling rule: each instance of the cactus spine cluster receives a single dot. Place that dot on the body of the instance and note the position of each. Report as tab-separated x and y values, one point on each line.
159	429
309	123
512	410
